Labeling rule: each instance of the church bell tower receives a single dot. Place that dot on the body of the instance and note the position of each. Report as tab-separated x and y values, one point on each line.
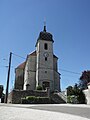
44	60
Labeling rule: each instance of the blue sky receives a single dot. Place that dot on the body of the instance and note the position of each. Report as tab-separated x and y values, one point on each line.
68	20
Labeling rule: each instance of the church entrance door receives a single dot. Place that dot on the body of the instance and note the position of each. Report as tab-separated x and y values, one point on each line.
46	85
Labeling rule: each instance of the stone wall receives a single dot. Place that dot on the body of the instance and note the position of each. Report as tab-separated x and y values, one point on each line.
15	96
87	95
30	73
19	78
57	81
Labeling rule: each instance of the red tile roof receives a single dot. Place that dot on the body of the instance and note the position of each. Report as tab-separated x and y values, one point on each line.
21	66
32	54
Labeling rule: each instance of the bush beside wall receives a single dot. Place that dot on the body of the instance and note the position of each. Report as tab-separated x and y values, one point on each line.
35	100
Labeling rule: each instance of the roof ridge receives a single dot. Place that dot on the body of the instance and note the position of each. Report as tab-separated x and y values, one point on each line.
33	53
22	65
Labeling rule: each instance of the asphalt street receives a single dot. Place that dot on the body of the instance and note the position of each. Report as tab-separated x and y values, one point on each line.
74	110
44	112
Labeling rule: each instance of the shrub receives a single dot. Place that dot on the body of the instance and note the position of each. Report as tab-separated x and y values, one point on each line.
39	87
72	99
35	100
68	99
24	101
30	97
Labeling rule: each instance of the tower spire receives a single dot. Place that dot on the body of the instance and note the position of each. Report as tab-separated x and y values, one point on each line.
44	26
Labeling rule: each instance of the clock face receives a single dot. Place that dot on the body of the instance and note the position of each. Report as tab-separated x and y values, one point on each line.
46	54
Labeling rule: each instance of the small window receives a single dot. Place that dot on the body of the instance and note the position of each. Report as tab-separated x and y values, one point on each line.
45	58
27	86
45	46
45	71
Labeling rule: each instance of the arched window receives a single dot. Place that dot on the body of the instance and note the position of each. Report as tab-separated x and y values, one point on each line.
27	86
45	46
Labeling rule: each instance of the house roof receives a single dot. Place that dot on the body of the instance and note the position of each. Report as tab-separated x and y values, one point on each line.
88	84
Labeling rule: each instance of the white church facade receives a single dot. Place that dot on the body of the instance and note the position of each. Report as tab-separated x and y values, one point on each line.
40	67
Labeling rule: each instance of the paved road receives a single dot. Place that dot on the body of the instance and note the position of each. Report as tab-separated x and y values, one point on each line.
46	112
79	110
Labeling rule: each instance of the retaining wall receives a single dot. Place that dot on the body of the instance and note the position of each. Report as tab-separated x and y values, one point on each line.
15	96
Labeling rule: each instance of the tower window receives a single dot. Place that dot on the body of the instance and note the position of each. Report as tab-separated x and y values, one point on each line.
45	46
45	58
45	71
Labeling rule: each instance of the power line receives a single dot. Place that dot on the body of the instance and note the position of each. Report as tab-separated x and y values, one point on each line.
69	71
18	56
6	66
72	72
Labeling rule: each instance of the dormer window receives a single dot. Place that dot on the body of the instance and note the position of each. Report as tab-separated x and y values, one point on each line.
45	46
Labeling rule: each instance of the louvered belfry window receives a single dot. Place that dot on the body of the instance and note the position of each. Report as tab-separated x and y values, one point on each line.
45	46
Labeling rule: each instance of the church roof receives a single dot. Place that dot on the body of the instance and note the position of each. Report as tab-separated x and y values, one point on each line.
21	66
33	53
44	35
55	56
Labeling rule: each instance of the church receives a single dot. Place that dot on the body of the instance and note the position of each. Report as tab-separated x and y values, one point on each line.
40	67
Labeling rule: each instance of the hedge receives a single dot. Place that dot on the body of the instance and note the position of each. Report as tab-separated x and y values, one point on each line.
35	100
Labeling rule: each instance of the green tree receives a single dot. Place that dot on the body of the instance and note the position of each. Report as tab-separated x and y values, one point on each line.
84	79
69	90
75	93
